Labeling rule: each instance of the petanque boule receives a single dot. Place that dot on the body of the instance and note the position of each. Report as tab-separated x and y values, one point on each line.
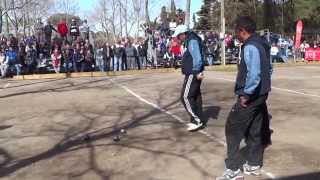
116	139
123	131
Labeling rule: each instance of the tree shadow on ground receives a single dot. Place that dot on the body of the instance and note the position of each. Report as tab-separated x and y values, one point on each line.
82	137
64	87
309	176
5	127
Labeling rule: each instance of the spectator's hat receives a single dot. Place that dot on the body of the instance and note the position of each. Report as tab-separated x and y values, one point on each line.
179	30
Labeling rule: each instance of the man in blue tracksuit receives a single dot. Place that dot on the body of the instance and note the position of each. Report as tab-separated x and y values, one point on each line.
192	68
247	117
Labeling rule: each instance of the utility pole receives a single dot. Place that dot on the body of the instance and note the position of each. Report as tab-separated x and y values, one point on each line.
187	17
223	31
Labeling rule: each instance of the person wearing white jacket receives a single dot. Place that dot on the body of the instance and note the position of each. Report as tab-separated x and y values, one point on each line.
4	65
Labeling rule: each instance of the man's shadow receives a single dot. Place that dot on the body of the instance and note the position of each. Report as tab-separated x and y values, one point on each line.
210	113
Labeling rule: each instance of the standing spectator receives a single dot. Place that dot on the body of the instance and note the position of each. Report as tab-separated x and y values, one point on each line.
4	64
131	53
124	64
39	30
118	55
100	63
63	29
14	63
56	60
274	53
303	48
85	30
142	55
176	50
67	57
108	57
151	48
48	32
74	30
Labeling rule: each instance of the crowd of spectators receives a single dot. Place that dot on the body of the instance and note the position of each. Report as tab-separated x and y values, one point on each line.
64	48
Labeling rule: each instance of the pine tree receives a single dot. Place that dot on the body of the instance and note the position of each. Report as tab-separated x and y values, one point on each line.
209	16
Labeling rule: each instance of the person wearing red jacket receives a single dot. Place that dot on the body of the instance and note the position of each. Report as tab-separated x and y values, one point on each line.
63	29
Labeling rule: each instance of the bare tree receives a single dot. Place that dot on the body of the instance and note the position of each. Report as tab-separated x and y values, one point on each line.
137	6
69	7
22	14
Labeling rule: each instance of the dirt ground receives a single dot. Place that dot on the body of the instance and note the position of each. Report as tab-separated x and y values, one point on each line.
64	129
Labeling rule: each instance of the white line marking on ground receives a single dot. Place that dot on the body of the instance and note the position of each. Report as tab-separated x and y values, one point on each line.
208	135
279	89
221	142
6	86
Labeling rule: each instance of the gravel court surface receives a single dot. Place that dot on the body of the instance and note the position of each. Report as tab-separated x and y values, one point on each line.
44	124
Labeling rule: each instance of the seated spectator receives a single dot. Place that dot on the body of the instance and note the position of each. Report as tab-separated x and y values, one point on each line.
88	63
56	60
67	57
31	59
77	58
43	63
14	63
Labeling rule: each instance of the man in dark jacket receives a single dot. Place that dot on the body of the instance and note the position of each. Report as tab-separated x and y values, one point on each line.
108	57
48	32
192	68
247	116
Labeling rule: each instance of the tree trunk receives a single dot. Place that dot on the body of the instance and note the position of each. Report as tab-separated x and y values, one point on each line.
6	17
147	12
126	18
120	6
16	23
187	17
1	19
268	15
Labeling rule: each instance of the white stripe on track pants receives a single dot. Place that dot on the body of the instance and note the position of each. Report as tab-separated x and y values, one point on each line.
191	97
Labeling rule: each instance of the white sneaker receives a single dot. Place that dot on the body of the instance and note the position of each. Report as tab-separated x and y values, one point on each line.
231	175
251	170
193	127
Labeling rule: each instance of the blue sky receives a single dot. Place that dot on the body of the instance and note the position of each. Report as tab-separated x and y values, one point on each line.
155	6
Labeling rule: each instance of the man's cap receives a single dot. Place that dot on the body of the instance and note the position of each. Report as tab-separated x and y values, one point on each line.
179	30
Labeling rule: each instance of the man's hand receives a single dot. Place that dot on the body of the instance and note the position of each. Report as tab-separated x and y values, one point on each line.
200	76
243	101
